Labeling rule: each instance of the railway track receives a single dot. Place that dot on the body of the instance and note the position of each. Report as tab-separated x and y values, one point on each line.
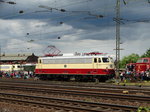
78	92
74	92
63	104
82	93
100	88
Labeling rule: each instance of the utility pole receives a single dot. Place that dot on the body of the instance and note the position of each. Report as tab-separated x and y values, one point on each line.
117	37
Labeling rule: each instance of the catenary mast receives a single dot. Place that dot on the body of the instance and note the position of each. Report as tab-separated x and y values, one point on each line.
117	36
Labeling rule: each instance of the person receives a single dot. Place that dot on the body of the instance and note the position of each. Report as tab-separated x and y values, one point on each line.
0	74
122	75
147	75
128	73
142	75
12	74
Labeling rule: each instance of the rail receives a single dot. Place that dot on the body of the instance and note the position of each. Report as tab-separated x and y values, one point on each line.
47	102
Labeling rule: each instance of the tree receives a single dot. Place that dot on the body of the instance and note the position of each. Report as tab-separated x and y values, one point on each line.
147	54
129	59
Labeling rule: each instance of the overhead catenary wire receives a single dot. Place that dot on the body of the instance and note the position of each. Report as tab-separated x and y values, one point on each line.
30	11
145	20
89	13
75	3
8	2
71	20
96	16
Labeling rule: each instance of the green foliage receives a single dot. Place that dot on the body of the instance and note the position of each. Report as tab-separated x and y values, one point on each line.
143	109
147	54
129	59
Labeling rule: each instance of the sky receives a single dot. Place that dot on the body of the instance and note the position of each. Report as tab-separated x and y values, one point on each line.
30	26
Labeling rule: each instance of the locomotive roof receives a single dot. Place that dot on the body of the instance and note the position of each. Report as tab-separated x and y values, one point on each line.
64	57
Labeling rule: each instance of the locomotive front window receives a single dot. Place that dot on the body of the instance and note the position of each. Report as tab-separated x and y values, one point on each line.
40	61
105	60
145	60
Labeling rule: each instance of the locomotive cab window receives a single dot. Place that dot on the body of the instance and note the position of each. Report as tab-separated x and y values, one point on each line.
95	60
105	60
19	66
145	60
40	61
99	60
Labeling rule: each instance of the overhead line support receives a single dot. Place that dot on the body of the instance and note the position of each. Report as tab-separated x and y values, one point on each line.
117	37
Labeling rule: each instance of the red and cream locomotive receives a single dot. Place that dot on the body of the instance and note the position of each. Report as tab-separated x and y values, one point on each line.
80	67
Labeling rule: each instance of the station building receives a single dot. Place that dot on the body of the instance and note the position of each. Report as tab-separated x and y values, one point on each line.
18	58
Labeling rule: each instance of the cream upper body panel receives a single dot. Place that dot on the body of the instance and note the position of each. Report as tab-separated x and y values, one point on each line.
76	62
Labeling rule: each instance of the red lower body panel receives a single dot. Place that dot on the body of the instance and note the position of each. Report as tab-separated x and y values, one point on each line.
75	71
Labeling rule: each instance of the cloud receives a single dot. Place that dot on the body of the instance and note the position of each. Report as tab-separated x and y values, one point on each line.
137	31
79	31
136	46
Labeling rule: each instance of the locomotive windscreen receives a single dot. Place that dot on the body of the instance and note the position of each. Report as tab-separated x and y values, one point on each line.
105	60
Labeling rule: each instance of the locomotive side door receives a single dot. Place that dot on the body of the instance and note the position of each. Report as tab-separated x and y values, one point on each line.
39	66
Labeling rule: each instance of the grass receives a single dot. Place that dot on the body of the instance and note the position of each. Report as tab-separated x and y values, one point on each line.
142	83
